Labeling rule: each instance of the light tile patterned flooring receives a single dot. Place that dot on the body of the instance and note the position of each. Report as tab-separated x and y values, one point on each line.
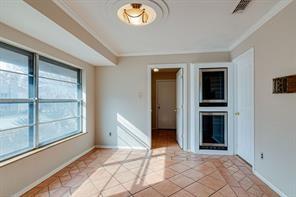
164	171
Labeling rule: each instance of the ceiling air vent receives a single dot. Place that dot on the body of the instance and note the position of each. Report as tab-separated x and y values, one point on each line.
241	6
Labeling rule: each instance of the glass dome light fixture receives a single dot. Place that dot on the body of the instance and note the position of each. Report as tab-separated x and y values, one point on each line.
136	14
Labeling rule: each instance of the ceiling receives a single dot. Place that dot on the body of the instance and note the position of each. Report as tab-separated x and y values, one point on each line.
182	26
21	16
191	26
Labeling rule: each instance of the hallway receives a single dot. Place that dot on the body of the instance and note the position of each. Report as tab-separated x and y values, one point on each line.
163	171
164	138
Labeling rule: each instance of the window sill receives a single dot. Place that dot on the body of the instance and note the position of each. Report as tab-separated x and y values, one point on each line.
34	151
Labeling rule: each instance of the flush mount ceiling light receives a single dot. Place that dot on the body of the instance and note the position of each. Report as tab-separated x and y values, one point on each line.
136	14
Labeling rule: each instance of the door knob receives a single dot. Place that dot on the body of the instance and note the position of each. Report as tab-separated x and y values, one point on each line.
237	113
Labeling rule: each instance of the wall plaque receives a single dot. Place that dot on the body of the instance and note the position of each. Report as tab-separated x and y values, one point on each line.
285	84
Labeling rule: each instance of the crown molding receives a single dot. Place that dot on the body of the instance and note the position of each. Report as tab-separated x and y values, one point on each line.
269	15
177	52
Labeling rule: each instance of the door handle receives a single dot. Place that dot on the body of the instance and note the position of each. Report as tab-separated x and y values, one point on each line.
237	113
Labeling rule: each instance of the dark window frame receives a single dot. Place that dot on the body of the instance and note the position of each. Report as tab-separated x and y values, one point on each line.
33	101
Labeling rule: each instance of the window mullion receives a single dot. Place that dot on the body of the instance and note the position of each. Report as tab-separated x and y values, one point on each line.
58	100
7	101
36	88
80	103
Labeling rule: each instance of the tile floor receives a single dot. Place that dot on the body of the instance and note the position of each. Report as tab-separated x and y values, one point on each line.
164	171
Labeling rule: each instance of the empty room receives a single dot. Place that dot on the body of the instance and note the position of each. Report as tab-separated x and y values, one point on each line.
140	98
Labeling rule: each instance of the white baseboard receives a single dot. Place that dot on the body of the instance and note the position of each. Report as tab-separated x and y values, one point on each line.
51	173
273	187
121	147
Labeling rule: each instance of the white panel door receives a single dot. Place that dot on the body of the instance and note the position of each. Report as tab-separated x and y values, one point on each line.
245	105
179	107
166	104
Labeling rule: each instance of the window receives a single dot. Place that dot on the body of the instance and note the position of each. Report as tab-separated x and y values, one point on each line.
40	101
59	100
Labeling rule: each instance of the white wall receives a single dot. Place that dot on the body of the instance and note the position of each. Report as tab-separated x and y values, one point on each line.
122	101
275	131
16	176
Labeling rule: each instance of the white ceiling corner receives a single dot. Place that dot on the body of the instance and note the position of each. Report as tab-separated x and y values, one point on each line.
271	13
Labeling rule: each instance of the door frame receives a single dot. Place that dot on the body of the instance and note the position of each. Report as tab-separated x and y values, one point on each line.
252	51
149	103
156	96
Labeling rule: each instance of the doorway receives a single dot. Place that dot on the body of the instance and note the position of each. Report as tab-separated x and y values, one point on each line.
165	100
166	106
244	106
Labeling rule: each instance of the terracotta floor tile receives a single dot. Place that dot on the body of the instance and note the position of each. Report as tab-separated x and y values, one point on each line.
96	163
105	183
217	175
205	169
114	172
117	191
199	190
179	167
268	191
55	185
246	170
239	191
62	172
115	168
135	186
255	180
76	181
134	164
44	194
166	188
182	193
99	174
87	171
31	192
153	178
124	177
140	172
255	191
226	191
193	174
246	183
230	180
212	183
60	192
190	164
181	180
167	173
239	175
233	169
217	163
86	189
227	164
149	192
65	179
